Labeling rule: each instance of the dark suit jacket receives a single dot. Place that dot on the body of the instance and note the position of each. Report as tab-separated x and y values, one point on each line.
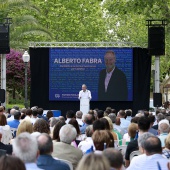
117	87
8	148
47	162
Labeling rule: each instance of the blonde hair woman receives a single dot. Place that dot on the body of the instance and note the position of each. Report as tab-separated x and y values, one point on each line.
93	161
25	126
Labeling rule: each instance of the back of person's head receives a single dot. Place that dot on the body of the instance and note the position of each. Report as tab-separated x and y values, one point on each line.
24	126
152	146
100	138
1	109
62	118
110	122
93	161
122	113
100	114
151	119
74	122
67	134
167	141
91	112
114	157
112	116
89	131
45	144
143	124
25	147
128	112
146	113
49	114
157	111
113	111
12	111
105	121
134	119
79	114
53	121
56	130
35	112
132	129
88	119
40	111
16	107
163	126
142	138
160	117
17	115
98	125
70	114
41	126
28	112
3	121
106	113
117	120
11	163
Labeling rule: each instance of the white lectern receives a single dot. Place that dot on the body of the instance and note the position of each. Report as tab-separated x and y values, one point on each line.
84	105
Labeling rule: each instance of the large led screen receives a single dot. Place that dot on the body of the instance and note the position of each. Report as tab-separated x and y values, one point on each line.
107	73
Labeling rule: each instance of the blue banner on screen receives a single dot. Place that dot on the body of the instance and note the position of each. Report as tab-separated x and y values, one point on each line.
107	73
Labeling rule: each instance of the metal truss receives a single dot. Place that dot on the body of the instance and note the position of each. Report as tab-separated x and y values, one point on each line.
81	44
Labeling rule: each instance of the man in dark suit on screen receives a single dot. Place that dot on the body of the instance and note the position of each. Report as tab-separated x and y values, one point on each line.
112	84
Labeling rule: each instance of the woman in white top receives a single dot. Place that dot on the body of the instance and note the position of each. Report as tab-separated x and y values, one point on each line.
7	134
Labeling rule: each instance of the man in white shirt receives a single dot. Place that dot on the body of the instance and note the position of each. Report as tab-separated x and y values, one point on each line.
84	93
152	158
123	122
12	111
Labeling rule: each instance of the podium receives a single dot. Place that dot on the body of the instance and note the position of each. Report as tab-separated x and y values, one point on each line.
84	105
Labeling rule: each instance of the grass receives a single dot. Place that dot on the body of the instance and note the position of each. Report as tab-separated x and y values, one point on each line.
12	105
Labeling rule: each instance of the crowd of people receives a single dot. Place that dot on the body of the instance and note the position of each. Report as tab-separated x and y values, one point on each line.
29	140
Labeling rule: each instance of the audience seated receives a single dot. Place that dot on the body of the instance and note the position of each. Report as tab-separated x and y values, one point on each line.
49	114
102	139
100	114
115	158
45	160
11	163
93	162
118	127
143	126
166	150
159	117
128	115
15	123
25	147
123	122
163	130
152	130
63	149
56	130
7	134
25	126
79	115
87	143
8	148
41	126
69	115
12	111
88	120
34	116
28	114
40	114
152	159
130	136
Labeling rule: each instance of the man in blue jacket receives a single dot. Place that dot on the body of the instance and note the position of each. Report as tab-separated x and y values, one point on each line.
45	160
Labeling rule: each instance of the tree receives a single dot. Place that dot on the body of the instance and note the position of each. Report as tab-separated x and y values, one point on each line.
15	73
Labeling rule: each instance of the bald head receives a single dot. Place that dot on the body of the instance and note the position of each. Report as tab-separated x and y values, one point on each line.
12	111
79	114
88	119
45	144
114	157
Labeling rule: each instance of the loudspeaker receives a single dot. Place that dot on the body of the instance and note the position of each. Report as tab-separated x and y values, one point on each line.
2	95
157	99
4	39
156	40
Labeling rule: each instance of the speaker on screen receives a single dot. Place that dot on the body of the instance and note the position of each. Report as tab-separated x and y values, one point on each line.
156	40
157	99
4	39
2	95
